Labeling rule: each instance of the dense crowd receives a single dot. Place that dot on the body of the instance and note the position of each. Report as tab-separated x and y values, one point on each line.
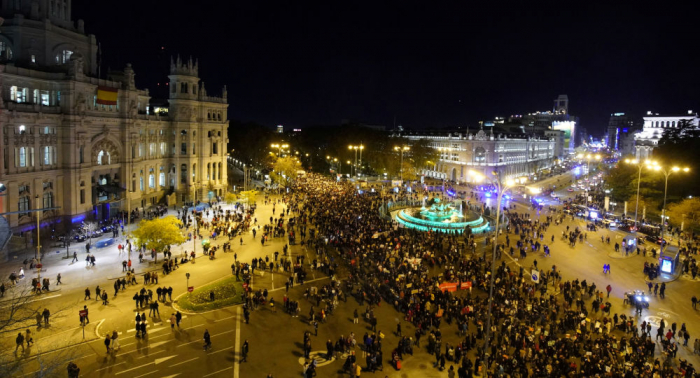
534	330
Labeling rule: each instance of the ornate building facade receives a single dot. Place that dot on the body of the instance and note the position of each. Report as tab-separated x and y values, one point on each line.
655	125
80	146
510	156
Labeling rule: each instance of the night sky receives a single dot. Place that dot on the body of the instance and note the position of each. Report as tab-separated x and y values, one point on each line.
304	63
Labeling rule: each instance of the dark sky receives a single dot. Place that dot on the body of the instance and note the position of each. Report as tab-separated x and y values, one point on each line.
299	63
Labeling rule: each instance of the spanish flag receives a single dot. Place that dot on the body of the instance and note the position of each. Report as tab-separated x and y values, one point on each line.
107	95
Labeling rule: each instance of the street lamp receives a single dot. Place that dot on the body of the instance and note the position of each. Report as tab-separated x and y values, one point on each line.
38	238
667	172
501	189
402	150
639	177
356	148
350	164
279	148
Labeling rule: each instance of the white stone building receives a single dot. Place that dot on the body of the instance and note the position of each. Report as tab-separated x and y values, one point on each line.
654	126
510	156
62	149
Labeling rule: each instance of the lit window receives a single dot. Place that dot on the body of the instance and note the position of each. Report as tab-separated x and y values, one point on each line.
22	156
22	129
5	51
63	57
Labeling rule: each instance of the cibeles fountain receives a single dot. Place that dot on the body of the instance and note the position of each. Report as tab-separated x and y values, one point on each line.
436	215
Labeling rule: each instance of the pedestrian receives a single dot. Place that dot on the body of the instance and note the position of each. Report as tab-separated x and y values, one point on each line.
87	294
207	340
28	338
608	289
178	318
173	320
87	319
695	302
97	293
75	257
46	315
107	342
58	279
20	342
355	317
244	351
115	340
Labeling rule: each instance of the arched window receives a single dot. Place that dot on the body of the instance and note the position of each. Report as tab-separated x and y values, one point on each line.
208	171
103	158
209	116
151	181
161	179
63	57
219	171
213	172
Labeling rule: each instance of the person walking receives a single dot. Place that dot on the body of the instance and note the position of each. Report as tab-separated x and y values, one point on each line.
695	302
107	342
173	320
178	318
20	342
75	257
87	294
58	279
207	340
608	289
244	351
46	313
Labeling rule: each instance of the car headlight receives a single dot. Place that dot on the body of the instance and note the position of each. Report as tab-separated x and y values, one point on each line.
638	298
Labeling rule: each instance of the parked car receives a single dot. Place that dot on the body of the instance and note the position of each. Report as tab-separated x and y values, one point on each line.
655	239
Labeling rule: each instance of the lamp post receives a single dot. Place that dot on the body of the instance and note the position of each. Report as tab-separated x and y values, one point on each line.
666	172
402	150
356	148
38	238
639	178
350	164
501	189
279	147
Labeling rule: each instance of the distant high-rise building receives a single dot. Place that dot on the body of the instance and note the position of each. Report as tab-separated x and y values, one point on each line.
280	129
558	118
619	125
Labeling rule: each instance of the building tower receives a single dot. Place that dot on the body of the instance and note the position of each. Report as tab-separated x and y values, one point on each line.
561	104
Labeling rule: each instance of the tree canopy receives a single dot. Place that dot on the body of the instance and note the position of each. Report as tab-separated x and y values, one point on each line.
285	170
687	212
159	233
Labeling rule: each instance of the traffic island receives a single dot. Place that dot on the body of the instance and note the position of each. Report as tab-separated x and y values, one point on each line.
216	295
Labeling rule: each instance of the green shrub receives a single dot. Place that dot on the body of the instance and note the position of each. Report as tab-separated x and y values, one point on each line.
227	292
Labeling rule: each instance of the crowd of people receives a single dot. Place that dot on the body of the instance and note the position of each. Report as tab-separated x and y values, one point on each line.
534	330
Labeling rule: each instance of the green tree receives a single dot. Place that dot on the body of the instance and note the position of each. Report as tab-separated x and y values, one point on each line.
422	153
159	233
249	196
285	170
687	211
685	130
230	198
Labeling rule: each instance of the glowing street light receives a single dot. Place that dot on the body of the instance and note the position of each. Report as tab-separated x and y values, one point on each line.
639	165
667	172
501	189
402	150
357	148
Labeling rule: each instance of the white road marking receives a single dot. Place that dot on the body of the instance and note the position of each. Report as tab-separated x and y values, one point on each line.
134	368
183	362
236	362
222	319
216	372
111	366
221	350
143	375
150	354
161	360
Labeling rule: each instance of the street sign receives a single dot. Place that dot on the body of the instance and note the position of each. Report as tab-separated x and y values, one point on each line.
82	313
190	289
535	276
